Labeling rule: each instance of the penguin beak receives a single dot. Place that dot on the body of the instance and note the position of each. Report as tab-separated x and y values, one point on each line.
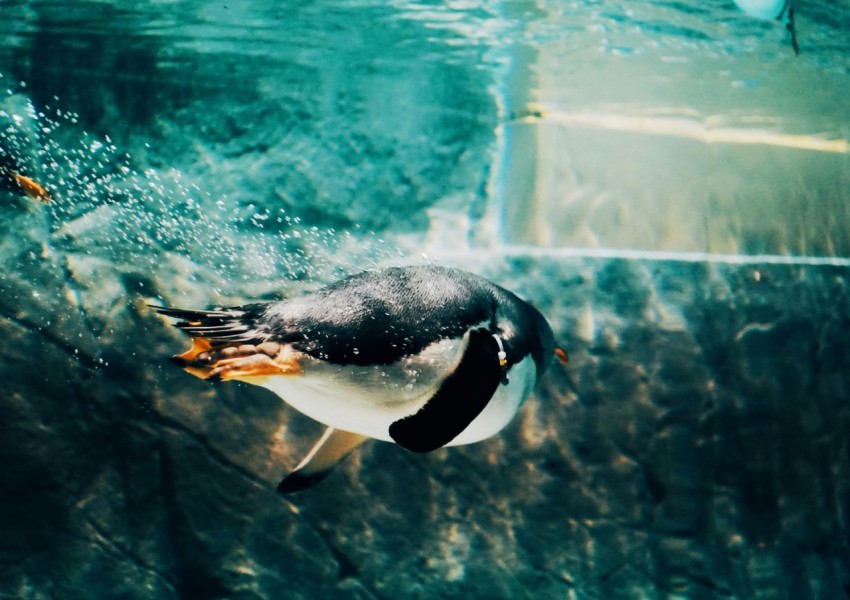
561	355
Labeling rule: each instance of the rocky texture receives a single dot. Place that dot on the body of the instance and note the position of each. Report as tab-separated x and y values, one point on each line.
696	446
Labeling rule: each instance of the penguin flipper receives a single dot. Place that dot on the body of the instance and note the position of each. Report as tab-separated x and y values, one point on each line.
461	397
326	453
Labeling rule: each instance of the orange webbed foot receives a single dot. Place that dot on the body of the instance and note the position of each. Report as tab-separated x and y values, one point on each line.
246	362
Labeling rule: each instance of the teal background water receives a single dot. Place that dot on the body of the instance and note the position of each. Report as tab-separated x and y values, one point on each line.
666	181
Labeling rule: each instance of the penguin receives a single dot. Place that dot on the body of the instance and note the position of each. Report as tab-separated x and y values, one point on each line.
421	356
780	10
13	180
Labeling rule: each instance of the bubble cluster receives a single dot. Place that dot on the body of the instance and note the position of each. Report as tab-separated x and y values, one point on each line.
108	204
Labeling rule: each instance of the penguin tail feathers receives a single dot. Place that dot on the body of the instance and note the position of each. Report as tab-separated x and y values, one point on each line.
219	326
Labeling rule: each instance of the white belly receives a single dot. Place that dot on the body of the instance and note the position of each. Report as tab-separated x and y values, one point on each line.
366	400
502	406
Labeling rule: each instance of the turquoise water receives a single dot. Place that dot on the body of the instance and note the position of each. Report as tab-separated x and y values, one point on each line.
666	181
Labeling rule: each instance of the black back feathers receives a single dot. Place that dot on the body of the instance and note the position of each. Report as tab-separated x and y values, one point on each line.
378	317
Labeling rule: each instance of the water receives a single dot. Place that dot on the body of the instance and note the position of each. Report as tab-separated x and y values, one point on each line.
666	181
637	104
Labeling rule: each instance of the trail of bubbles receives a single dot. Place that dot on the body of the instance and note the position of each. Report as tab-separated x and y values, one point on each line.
106	206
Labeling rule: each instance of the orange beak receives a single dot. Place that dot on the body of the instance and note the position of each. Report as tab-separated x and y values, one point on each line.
561	355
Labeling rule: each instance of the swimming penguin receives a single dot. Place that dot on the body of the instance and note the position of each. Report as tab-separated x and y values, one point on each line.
422	356
13	180
780	10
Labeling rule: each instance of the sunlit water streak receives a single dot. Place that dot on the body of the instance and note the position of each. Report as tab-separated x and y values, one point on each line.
517	251
687	128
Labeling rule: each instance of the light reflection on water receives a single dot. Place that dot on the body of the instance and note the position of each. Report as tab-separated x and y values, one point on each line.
139	72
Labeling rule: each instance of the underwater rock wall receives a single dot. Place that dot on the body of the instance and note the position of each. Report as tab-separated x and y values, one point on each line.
694	447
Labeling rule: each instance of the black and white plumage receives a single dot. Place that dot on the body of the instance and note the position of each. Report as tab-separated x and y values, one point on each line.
423	356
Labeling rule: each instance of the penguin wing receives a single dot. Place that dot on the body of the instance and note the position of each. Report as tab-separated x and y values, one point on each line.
460	398
332	447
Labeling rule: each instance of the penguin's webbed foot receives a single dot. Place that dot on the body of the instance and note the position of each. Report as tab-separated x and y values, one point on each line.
251	367
246	362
